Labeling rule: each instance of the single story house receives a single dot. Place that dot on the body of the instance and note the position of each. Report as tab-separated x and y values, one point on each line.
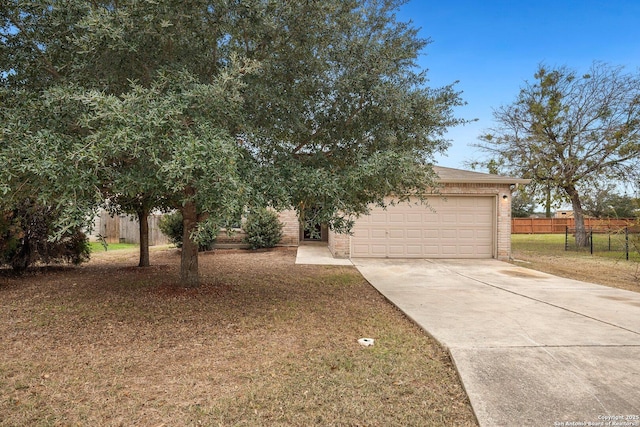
469	218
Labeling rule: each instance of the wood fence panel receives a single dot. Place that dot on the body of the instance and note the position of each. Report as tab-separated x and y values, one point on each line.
122	228
156	237
130	230
559	225
109	228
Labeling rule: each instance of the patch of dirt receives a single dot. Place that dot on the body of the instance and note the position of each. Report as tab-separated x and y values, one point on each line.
261	342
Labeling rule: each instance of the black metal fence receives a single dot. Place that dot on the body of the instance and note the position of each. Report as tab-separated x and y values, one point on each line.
623	241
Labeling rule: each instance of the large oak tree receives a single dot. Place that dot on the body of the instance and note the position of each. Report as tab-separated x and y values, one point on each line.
208	105
566	131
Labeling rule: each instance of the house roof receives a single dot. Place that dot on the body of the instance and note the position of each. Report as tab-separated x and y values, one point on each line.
460	176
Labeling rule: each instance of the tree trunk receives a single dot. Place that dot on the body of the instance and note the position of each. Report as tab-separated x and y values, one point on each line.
189	260
143	220
547	202
582	240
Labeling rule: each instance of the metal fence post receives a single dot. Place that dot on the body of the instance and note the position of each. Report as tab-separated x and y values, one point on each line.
626	242
591	240
566	238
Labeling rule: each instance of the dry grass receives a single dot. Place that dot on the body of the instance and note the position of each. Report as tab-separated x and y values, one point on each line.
261	342
546	253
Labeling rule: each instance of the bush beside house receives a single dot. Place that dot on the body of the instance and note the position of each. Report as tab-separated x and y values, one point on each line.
263	229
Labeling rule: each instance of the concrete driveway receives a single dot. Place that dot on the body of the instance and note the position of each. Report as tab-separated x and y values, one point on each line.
531	349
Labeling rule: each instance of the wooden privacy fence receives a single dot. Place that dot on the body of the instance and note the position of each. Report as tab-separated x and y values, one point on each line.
559	225
122	228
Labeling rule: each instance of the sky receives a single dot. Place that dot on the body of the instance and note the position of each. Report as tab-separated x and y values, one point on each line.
491	47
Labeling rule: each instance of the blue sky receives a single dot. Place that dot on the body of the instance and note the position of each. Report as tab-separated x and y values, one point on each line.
491	47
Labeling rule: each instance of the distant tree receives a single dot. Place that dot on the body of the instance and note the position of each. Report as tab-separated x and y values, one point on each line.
565	131
603	201
623	206
209	105
521	205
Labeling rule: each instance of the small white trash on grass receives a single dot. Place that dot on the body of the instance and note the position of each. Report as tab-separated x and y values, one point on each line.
366	342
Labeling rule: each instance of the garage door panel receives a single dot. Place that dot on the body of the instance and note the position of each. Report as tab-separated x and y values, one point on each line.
414	250
450	250
483	234
431	251
361	233
467	202
378	249
448	233
415	218
458	227
414	234
378	233
378	217
467	234
467	219
396	250
483	217
396	234
430	219
430	233
448	219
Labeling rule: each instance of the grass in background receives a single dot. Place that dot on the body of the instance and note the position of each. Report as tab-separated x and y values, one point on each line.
604	245
99	247
543	243
546	252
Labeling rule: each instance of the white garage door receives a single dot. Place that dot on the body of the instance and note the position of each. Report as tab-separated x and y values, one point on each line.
457	227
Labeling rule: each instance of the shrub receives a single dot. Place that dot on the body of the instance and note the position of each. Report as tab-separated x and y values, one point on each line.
24	238
171	226
263	229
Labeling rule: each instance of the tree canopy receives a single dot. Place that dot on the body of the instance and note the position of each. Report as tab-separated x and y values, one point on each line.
603	200
213	106
566	131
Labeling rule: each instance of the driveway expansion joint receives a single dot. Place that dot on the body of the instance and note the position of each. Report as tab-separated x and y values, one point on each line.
498	347
547	303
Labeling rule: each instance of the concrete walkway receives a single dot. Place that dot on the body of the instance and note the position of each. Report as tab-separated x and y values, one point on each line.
531	349
318	254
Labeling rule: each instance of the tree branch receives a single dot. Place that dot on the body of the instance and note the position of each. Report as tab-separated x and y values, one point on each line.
48	66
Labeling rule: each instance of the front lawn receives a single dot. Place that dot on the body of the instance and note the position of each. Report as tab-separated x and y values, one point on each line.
261	342
546	252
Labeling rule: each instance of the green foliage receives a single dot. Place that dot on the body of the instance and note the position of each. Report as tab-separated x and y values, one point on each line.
521	205
171	225
10	235
263	229
208	108
25	234
602	200
565	132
